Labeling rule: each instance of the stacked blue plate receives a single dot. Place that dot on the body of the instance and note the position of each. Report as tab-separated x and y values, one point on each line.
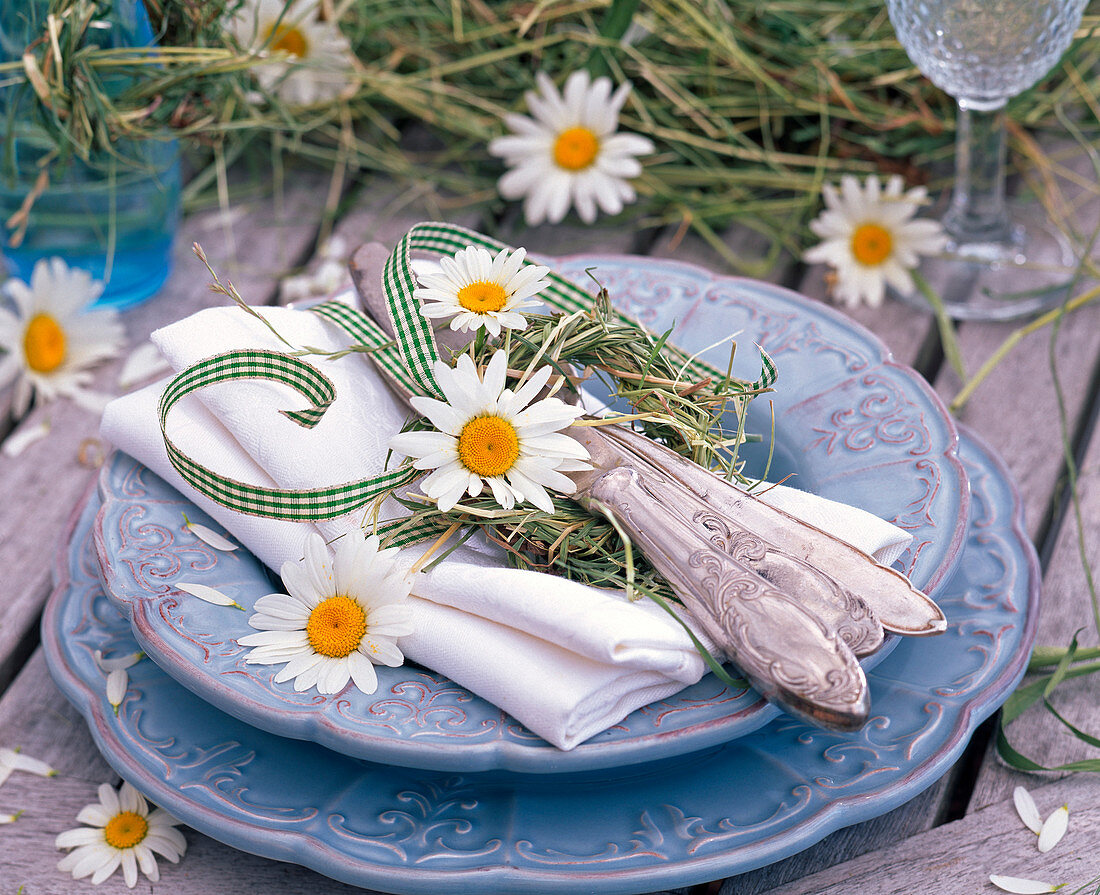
423	786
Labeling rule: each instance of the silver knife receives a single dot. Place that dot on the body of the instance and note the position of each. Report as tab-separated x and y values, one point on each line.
779	641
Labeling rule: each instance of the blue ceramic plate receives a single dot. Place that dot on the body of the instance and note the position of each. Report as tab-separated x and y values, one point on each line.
674	822
850	423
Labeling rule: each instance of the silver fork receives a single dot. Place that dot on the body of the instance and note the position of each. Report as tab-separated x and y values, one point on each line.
792	629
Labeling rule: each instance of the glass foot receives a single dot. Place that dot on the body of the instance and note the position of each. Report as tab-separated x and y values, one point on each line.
1029	273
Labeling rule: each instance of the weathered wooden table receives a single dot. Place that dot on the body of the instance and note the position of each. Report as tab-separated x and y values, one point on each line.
947	840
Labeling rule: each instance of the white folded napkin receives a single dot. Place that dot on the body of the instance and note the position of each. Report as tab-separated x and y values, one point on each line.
565	659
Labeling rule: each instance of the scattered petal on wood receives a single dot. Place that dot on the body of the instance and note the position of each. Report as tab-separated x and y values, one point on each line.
1020	886
208	535
13	760
109	665
209	594
117	682
144	362
24	438
1023	886
10	818
1027	809
1054	828
91	400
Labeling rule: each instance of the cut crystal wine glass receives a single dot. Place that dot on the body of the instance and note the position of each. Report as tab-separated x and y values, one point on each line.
998	264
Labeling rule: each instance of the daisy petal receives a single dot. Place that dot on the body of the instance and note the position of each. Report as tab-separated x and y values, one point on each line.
1027	809
1023	886
207	594
1054	828
208	535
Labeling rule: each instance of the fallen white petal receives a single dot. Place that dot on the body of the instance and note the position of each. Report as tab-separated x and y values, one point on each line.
91	400
1023	886
109	665
13	760
15	444
117	682
1054	828
211	537
10	818
144	362
1027	809
209	594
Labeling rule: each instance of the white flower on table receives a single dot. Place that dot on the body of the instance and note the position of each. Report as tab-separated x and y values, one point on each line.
121	831
51	338
488	434
871	240
477	290
570	153
315	57
340	616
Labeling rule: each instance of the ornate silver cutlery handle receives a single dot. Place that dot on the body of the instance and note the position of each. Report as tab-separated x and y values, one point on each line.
787	653
897	605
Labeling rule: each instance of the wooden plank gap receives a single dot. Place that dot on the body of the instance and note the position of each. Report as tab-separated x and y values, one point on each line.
930	355
1061	503
964	774
794	277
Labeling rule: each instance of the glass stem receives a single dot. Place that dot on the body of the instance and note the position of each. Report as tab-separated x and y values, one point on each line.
977	213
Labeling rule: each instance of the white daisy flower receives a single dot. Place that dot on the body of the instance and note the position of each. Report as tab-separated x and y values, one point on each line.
487	433
569	153
121	831
870	238
315	57
52	339
478	290
339	618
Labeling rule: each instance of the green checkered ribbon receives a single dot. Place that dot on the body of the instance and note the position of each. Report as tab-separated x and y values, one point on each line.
408	358
306	505
414	332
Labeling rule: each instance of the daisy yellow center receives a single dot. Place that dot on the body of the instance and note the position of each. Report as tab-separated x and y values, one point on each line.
482	297
290	40
576	148
44	344
125	830
488	446
871	244
336	627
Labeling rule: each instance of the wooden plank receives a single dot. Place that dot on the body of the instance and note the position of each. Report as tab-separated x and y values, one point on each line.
1066	607
960	856
563	240
40	486
1016	409
685	245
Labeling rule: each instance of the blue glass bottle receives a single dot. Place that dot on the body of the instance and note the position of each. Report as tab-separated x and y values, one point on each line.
114	215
